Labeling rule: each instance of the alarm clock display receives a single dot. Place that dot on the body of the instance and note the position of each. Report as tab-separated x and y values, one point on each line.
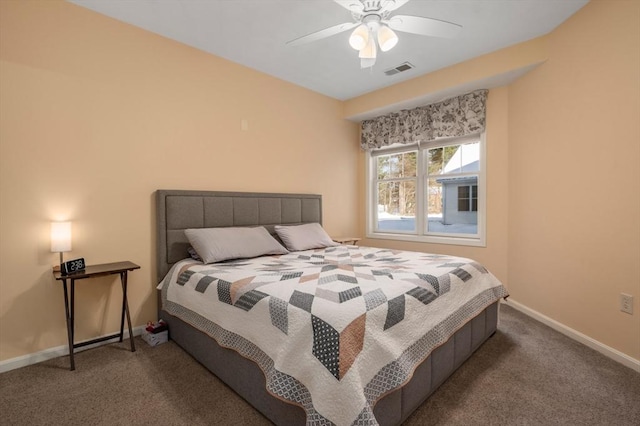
72	266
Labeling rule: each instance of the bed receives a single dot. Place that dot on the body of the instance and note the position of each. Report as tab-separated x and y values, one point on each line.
304	385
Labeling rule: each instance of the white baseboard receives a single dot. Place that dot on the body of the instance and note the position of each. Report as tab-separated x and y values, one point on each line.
608	351
34	358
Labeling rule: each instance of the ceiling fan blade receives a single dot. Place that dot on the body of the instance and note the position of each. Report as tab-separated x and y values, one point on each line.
424	26
327	32
351	5
391	5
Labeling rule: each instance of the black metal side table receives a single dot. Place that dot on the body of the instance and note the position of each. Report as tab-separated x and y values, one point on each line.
92	271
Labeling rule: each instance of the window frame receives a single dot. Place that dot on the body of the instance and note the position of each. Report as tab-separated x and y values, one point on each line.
421	234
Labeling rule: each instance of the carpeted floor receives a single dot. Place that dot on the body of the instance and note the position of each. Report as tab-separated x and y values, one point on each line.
526	374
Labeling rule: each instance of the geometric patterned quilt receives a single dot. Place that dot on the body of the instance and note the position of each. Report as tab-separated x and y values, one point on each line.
333	329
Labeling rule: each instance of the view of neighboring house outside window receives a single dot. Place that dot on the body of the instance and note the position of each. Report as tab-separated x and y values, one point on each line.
431	192
468	197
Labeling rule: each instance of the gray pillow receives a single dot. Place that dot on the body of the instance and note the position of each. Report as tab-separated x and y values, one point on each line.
218	244
304	237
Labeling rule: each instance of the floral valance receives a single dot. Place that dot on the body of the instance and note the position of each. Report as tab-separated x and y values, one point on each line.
459	116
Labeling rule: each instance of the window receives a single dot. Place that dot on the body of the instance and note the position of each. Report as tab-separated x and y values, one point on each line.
468	198
431	192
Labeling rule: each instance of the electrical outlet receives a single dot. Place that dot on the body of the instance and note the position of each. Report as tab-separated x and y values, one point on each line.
626	303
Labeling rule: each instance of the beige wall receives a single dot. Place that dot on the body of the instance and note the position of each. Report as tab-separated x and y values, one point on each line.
574	176
563	148
95	116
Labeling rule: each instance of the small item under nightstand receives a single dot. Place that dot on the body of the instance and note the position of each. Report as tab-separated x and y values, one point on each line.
347	240
156	333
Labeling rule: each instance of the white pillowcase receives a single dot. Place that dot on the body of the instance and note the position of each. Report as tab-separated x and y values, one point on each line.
218	244
304	237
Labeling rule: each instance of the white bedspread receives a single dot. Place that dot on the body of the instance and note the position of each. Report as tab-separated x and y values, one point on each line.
333	329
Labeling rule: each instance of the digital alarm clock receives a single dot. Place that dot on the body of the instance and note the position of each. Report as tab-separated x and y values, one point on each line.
72	266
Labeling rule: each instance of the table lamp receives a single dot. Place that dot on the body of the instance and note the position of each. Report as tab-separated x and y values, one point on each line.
60	237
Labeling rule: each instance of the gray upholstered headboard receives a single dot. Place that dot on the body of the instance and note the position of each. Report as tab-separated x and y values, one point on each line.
177	210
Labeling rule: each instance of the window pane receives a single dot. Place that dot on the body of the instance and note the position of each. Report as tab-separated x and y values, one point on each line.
383	166
455	159
397	206
397	165
449	157
450	207
434	158
474	197
463	198
470	157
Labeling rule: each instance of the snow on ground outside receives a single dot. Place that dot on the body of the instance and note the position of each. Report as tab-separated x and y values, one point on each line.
389	222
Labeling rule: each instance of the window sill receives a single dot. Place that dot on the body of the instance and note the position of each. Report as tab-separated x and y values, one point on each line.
431	239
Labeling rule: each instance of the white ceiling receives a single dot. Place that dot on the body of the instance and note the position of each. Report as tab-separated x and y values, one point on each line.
254	32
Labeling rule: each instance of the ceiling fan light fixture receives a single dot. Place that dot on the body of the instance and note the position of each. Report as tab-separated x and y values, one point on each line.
387	38
369	51
373	25
359	37
367	62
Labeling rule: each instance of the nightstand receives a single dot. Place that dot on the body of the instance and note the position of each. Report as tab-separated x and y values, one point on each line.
93	271
347	240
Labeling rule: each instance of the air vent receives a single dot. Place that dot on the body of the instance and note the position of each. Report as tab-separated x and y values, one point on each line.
400	68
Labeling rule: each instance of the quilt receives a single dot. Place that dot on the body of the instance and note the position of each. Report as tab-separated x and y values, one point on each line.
333	329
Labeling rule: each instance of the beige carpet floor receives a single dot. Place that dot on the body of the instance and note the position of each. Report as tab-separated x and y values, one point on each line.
526	374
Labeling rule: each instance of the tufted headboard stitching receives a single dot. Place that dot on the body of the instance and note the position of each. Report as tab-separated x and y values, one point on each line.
177	210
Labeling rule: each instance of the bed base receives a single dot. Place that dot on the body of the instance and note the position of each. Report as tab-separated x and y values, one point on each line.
247	379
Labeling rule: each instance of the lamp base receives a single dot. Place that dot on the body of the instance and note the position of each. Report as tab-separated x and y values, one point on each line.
56	268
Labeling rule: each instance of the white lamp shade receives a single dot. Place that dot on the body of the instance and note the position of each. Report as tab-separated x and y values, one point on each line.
359	37
387	38
60	236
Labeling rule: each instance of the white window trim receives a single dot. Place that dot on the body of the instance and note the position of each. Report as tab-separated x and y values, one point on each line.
478	240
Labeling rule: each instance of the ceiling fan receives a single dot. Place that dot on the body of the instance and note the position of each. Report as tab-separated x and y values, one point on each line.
373	21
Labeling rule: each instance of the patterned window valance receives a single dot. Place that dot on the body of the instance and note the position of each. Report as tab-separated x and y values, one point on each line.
459	116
